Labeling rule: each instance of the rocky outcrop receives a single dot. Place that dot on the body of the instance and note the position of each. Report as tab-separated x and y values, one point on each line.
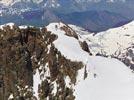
25	51
69	31
127	57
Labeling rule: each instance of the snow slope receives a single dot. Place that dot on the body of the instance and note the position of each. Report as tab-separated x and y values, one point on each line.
112	41
68	46
108	79
8	24
6	2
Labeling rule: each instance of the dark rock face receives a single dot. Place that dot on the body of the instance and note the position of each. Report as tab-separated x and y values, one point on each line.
22	52
69	31
17	67
85	47
127	57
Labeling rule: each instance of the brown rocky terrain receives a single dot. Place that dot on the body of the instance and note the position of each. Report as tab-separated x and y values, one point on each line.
23	52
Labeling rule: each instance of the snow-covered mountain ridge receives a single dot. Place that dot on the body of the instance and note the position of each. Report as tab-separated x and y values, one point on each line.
62	64
112	41
117	42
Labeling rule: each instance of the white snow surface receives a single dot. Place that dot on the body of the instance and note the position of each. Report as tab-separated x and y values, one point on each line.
108	79
79	30
36	82
12	24
113	40
68	46
10	97
8	24
108	42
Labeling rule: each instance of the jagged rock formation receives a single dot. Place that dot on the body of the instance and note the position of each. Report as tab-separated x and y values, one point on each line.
127	57
26	51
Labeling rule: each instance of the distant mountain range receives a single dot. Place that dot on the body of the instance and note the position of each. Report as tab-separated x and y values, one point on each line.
94	15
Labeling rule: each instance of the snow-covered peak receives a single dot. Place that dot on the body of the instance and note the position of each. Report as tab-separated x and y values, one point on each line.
48	3
51	4
12	24
37	1
12	2
79	30
114	40
8	24
107	78
68	46
6	2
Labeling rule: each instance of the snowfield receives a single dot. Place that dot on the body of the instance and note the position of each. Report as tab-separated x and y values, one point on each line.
68	46
108	79
113	40
110	42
